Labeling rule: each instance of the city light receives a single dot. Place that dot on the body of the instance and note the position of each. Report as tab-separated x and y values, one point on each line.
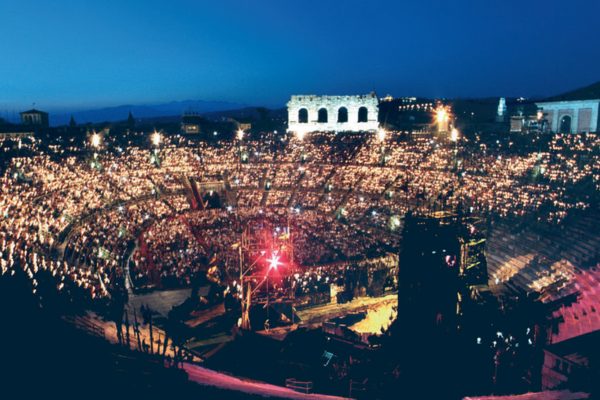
156	138
454	136
441	115
95	140
381	135
240	134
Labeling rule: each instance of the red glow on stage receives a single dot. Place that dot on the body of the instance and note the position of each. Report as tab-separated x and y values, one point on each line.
274	262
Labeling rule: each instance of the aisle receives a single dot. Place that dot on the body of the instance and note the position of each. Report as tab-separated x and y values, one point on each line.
204	376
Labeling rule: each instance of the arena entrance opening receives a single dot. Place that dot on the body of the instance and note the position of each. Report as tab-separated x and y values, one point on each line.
342	115
303	116
212	194
212	200
363	114
322	115
565	124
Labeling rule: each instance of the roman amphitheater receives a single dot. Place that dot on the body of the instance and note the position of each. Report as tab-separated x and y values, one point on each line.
82	224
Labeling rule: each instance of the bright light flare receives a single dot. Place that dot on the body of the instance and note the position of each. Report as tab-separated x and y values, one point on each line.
454	136
240	134
95	140
273	262
441	114
381	135
156	138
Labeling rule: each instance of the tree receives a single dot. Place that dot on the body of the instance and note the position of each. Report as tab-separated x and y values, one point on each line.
264	113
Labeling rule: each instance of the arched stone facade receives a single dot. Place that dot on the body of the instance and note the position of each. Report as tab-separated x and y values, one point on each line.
332	104
584	115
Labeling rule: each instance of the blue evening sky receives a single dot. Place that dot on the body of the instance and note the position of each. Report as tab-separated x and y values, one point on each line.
71	55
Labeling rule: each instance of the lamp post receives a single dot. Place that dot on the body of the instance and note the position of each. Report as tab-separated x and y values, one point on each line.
454	138
381	133
240	136
273	263
95	140
242	273
156	138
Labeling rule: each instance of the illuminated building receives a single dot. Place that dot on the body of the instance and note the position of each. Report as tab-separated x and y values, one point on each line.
35	117
311	113
190	122
573	112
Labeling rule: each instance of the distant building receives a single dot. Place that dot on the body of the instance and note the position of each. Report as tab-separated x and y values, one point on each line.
573	112
35	117
311	113
409	100
516	123
571	116
15	131
130	120
501	110
525	124
190	122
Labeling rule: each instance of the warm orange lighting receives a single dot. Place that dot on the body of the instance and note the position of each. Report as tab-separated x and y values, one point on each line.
454	136
441	115
156	138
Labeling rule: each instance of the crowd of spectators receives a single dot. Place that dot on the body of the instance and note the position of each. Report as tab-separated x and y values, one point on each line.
92	200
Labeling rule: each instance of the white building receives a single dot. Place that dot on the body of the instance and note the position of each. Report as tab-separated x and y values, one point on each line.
573	112
311	113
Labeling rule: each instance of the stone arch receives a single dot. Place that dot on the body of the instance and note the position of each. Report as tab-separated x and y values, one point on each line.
323	117
363	114
342	115
303	116
565	124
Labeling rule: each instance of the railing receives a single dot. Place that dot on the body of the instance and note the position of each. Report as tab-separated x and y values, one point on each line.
357	387
190	354
298	386
86	326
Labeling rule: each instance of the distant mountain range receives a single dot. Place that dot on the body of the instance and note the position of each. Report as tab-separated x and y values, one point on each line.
120	113
219	116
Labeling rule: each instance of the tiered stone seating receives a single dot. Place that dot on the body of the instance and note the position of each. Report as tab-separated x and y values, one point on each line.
508	260
582	316
529	260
